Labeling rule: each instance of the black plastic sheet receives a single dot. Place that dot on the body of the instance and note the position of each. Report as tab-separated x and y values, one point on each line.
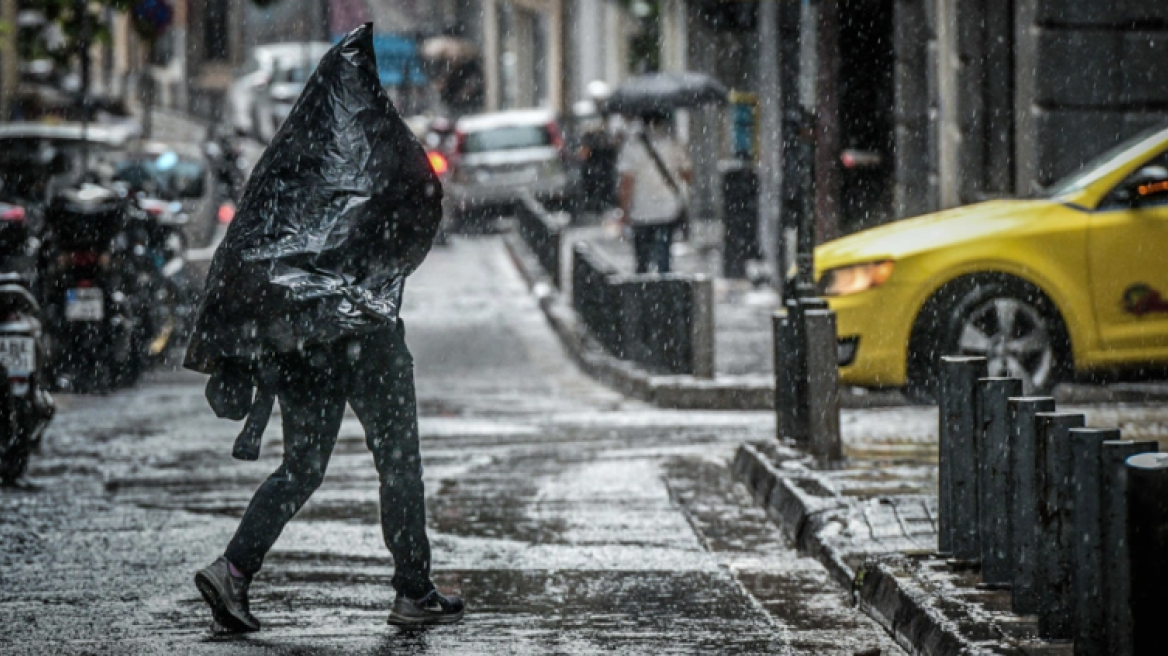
342	206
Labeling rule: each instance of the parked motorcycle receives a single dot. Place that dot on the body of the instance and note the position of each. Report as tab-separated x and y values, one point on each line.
90	288
229	165
158	252
25	404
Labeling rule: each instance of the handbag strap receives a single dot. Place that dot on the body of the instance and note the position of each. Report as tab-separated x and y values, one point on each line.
661	168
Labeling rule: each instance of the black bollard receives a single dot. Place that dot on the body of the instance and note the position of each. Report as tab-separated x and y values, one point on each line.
1147	533
823	400
1055	532
1087	532
1023	506
957	413
1116	598
993	447
790	403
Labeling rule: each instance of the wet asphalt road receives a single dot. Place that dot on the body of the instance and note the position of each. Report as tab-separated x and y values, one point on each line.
573	520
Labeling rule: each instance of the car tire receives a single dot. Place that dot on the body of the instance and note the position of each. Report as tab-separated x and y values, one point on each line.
1009	321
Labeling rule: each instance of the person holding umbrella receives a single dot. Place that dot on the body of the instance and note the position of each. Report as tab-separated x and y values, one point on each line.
654	168
655	174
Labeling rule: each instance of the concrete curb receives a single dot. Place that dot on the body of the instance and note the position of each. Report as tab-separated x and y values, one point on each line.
904	612
802	505
913	598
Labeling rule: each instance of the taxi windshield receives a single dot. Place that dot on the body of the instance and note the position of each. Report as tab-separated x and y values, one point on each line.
1103	164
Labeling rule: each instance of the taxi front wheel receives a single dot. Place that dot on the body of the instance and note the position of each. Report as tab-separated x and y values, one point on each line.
1008	321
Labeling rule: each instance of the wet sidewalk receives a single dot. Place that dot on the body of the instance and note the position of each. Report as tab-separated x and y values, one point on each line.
573	519
872	521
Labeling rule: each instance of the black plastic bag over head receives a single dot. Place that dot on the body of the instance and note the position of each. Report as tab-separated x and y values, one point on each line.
342	206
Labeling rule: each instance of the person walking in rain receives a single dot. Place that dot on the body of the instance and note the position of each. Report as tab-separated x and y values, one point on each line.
654	173
302	304
597	154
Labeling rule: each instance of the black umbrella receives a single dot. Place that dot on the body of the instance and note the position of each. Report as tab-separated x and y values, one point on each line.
656	92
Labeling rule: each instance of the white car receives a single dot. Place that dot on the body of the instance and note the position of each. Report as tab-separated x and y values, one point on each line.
497	156
249	115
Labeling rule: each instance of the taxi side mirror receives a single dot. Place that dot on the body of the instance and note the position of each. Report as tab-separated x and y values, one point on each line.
1146	186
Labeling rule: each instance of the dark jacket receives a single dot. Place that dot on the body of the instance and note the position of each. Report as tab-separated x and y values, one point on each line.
342	206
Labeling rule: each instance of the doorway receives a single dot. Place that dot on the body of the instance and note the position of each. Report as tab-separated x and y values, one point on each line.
866	106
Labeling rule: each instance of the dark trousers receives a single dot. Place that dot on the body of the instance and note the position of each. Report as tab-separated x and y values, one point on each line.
374	373
651	245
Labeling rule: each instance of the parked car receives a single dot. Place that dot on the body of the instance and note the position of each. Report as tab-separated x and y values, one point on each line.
274	103
249	115
1075	281
37	157
495	156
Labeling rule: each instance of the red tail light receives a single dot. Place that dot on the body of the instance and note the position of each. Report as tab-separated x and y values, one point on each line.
13	213
226	213
438	162
557	139
85	259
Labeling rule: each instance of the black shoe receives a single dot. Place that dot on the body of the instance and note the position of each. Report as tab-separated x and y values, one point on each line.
431	609
227	597
22	484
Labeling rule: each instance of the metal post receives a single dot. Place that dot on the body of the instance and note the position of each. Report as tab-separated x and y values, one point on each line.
1087	531
957	508
770	112
702	331
995	538
789	415
823	386
1147	533
9	59
828	129
82	7
1023	505
1116	561
148	92
1055	532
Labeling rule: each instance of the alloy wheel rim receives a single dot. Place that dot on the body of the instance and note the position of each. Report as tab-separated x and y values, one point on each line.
1013	337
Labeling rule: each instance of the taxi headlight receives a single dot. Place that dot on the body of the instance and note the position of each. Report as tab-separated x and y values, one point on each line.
855	278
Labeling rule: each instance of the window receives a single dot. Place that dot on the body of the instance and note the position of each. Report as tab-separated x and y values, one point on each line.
507	138
1125	196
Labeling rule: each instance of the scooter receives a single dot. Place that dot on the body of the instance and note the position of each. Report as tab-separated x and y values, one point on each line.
229	165
158	251
90	288
25	405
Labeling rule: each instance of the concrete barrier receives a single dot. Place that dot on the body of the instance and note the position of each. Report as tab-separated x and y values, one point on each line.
543	232
664	323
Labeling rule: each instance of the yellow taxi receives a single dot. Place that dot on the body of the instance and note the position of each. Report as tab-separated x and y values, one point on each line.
1046	288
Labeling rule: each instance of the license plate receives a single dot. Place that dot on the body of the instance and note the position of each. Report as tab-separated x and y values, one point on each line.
521	176
84	304
18	355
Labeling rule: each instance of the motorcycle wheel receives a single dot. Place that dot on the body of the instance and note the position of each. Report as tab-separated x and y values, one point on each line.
15	447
